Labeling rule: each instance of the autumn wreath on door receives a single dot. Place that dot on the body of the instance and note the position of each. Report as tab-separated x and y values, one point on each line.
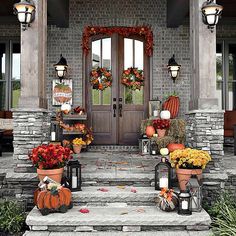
100	78
133	78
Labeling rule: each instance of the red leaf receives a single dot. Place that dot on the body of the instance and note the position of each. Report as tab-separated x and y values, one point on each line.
133	190
84	210
103	189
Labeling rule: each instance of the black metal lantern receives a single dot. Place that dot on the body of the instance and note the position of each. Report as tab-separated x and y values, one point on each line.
184	203
74	175
61	67
153	148
144	145
173	68
163	174
194	185
211	13
25	11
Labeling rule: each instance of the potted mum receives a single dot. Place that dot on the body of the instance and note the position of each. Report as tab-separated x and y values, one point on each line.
161	125
77	145
189	162
50	160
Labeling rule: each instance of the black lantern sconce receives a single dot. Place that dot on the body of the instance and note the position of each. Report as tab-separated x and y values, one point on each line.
154	147
211	13
163	174
194	186
144	145
74	175
173	68
25	11
184	203
61	67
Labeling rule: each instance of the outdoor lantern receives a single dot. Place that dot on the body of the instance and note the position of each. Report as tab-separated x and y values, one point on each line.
211	13
25	11
61	67
162	174
144	145
74	175
154	148
173	68
195	187
184	203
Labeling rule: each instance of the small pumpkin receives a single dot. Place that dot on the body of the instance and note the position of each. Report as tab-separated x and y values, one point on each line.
150	130
175	146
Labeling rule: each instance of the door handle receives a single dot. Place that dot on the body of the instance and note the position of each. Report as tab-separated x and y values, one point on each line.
120	110
114	110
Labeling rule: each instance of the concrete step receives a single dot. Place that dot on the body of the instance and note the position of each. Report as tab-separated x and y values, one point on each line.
113	148
125	194
123	218
147	233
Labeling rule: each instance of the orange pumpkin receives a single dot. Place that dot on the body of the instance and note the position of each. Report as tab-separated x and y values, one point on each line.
172	104
175	146
150	130
53	200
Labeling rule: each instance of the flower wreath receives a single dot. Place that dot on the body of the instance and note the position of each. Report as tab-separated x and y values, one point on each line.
133	78
101	78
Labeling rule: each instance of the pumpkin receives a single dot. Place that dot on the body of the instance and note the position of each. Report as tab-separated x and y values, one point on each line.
53	200
150	130
166	205
172	104
175	146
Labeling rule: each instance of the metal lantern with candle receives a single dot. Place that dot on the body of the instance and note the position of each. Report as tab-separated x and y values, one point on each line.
74	175
184	203
154	147
163	172
144	145
194	185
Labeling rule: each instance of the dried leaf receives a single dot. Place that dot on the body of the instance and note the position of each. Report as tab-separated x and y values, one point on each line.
124	213
140	210
103	189
133	190
84	210
121	187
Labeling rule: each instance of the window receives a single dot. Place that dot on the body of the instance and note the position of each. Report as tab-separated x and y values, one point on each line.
9	74
226	74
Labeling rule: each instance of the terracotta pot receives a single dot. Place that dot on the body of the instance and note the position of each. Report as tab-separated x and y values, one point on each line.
150	131
175	146
185	174
161	132
55	174
77	148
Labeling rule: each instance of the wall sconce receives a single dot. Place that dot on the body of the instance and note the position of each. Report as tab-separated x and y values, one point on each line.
173	68
211	13
61	67
25	11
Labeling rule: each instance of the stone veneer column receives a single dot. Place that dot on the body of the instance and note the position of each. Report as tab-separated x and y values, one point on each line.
205	120
31	118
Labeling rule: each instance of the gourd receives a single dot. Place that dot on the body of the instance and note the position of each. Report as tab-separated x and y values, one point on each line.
150	130
172	104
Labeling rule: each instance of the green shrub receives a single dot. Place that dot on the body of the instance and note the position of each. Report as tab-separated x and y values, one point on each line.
12	216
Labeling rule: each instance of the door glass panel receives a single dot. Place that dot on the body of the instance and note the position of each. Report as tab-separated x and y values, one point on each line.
96	53
106	96
2	61
138	46
2	95
15	75
134	96
219	75
106	53
129	57
232	77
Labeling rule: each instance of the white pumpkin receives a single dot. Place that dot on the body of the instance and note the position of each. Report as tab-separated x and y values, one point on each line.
164	151
66	108
165	115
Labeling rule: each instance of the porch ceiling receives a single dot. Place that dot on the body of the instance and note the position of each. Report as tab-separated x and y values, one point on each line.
58	12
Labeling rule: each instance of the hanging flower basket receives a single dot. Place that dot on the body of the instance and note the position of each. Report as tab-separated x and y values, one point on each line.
101	78
133	78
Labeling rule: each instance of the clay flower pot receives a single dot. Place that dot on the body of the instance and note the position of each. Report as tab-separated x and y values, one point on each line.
161	133
185	174
55	174
77	148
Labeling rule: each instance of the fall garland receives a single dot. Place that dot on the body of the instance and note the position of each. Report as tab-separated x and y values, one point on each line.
101	78
124	31
133	78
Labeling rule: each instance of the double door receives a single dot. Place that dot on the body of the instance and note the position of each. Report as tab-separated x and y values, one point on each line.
115	114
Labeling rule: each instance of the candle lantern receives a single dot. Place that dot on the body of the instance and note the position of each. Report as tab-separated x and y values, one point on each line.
144	145
184	203
154	148
195	187
74	175
162	174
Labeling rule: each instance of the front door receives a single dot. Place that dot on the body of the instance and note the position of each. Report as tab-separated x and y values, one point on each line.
115	114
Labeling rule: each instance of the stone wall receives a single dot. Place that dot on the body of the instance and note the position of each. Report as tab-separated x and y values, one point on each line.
31	128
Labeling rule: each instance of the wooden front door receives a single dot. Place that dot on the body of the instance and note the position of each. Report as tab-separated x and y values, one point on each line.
115	114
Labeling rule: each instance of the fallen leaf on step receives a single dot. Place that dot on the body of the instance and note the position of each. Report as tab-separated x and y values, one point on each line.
133	190
121	163
124	213
84	210
140	210
122	169
121	187
103	189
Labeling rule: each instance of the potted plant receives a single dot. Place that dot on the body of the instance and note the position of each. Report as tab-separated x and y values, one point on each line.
161	125
50	160
77	145
189	162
